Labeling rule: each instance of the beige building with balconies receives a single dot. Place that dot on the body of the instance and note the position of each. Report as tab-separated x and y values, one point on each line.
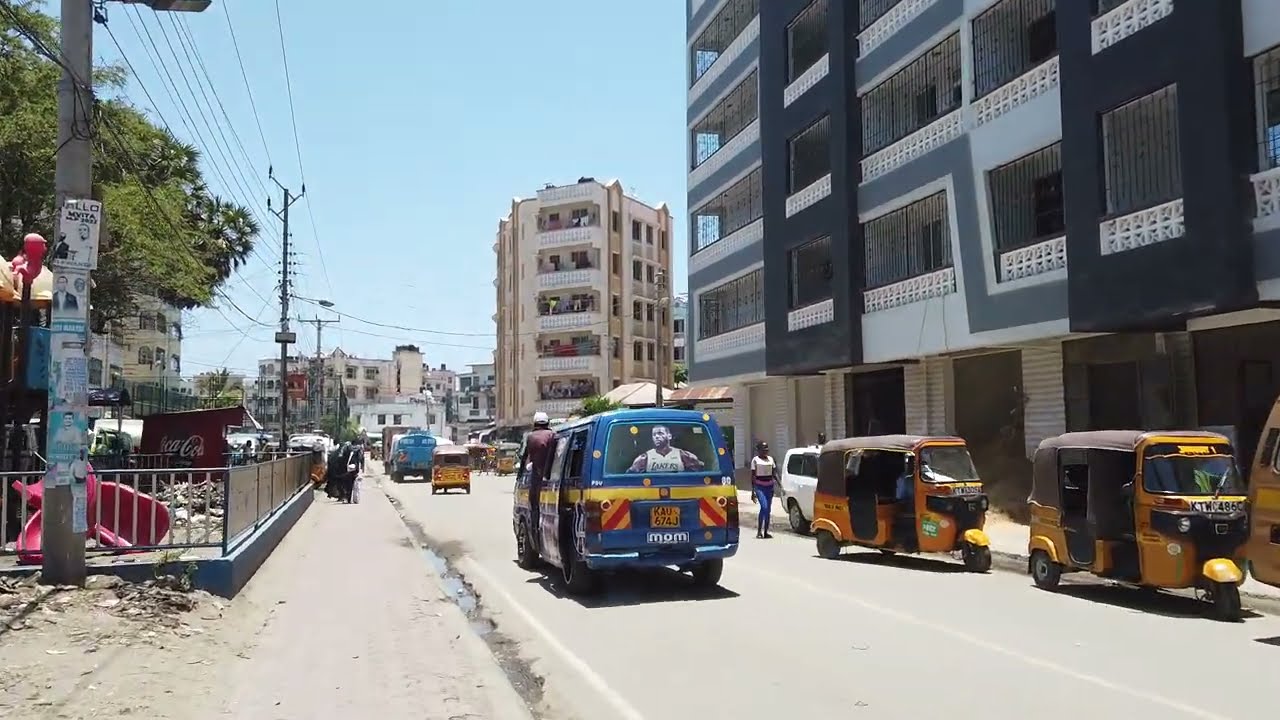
584	298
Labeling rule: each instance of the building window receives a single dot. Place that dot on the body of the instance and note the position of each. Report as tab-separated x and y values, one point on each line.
649	351
615	347
678	326
648	312
1266	83
1140	152
729	117
730	211
913	97
1026	199
809	273
637	270
727	25
146	321
662	239
617	306
809	155
175	364
615	263
95	372
146	356
870	11
162	325
350	373
1102	7
371	373
907	242
1010	39
677	353
733	305
615	222
382	419
806	39
637	310
648	273
161	359
648	234
395	419
637	351
635	230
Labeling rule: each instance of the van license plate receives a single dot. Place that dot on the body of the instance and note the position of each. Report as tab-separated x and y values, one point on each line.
664	516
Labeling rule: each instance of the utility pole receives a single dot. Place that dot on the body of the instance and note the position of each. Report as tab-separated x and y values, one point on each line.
663	301
283	336
318	407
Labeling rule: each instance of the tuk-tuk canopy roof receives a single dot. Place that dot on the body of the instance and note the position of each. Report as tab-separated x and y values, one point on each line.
451	450
1121	440
903	443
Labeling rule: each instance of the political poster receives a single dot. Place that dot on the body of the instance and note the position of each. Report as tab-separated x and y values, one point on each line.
78	232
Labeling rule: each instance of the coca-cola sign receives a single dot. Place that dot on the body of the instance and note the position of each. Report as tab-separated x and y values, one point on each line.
190	439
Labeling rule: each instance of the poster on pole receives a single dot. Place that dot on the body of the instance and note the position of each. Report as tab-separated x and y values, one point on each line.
68	430
78	231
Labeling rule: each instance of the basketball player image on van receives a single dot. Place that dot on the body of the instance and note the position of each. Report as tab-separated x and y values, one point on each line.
664	457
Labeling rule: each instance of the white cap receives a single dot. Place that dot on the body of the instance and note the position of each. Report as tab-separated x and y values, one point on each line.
540	418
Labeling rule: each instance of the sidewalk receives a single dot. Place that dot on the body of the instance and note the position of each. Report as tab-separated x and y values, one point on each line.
1008	538
361	629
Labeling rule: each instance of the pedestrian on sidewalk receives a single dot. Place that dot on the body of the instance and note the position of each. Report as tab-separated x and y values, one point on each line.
764	476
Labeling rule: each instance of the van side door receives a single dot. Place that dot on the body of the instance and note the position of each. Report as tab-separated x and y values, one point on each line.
549	505
573	509
1263	548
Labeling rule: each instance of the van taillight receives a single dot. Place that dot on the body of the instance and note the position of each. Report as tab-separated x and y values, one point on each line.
595	513
731	511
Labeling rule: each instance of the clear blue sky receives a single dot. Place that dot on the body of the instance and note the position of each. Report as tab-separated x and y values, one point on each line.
418	122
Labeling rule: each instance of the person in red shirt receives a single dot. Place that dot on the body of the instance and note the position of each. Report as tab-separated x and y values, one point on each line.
539	449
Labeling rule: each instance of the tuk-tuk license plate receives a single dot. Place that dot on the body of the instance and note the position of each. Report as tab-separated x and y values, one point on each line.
664	516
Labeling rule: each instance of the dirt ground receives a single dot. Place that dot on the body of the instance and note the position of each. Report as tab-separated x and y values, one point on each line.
111	650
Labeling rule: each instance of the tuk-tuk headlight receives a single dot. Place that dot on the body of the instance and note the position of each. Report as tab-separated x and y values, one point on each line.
1184	524
985	503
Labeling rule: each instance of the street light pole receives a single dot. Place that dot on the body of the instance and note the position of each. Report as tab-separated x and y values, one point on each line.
659	400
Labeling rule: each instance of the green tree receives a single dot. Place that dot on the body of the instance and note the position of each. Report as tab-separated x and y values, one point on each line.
681	373
598	404
165	232
218	390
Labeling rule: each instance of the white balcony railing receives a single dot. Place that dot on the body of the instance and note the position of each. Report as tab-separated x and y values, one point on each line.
568	321
921	287
810	195
1127	19
890	23
564	237
1142	228
931	136
807	79
558	408
734	342
1031	84
1032	260
817	313
568	278
578	363
1266	195
564	193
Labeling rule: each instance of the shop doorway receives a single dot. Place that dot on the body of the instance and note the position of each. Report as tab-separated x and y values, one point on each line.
875	403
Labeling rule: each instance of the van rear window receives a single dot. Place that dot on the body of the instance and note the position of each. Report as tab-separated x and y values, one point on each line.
659	448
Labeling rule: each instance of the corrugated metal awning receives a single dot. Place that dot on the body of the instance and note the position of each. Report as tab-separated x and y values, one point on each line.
710	393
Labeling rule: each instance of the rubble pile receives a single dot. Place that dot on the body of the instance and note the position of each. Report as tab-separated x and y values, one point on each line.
159	602
195	505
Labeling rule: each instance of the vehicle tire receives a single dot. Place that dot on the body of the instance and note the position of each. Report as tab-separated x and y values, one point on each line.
887	551
795	517
1045	573
707	574
977	558
467	489
1226	602
828	548
578	578
397	478
526	556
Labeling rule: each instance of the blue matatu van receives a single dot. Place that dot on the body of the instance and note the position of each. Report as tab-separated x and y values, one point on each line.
629	489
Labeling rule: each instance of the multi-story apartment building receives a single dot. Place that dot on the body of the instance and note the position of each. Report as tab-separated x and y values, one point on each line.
583	300
726	338
143	354
476	402
1011	218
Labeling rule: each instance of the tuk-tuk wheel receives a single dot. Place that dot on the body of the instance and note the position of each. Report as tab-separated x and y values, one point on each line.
977	558
828	548
1226	602
707	574
1044	571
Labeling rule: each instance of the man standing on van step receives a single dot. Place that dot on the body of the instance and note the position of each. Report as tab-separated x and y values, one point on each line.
539	447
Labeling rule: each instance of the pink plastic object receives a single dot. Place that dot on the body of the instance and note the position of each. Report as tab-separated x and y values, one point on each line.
29	262
28	544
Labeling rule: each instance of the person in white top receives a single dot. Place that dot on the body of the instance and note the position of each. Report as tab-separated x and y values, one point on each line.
664	457
764	476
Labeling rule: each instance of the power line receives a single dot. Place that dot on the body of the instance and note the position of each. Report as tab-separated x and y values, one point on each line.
245	76
390	326
288	83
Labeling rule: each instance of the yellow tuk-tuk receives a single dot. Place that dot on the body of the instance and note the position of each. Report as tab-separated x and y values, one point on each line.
901	493
1153	509
319	465
450	469
507	456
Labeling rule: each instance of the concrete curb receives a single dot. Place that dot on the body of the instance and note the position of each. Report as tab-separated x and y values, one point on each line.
1001	560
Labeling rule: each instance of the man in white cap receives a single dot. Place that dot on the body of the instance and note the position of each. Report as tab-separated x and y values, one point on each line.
539	448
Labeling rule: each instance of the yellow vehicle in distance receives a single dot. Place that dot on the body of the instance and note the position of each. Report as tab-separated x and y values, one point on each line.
450	469
1162	510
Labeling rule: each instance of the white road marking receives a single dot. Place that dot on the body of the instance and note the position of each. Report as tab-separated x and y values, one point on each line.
623	709
988	645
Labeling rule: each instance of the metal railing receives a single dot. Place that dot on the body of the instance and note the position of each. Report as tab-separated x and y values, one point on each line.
730	211
141	509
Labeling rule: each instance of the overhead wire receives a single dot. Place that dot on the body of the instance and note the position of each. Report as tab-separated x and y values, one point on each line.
253	105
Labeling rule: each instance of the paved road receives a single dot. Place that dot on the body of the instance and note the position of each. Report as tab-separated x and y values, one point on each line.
792	635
